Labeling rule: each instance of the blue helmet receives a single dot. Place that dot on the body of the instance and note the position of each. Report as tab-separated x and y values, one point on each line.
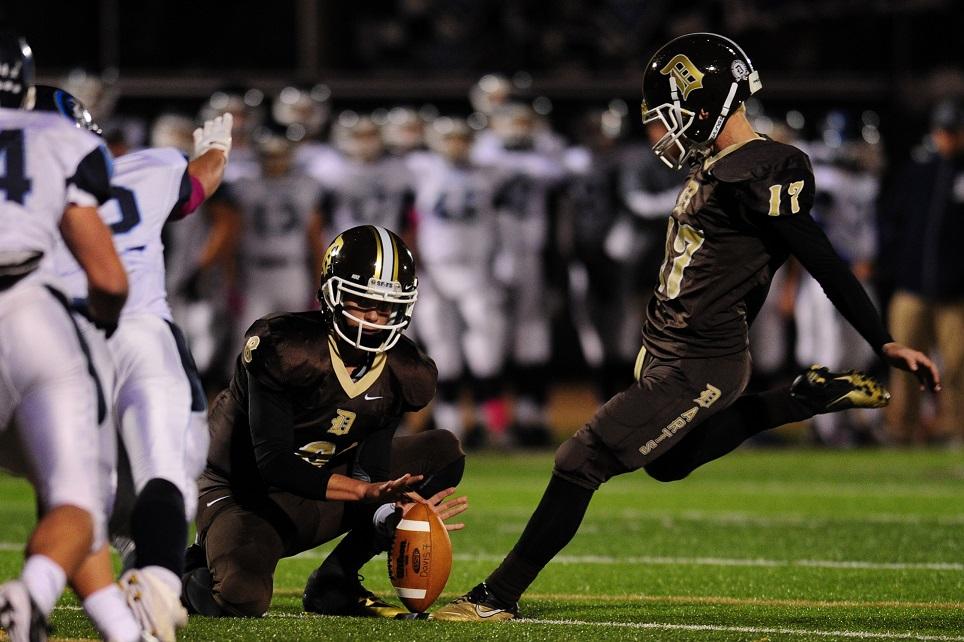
57	100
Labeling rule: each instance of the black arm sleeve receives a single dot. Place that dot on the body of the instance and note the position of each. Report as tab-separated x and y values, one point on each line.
810	245
270	419
94	173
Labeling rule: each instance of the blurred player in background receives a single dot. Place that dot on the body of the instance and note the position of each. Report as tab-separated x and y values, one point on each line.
591	211
302	442
200	257
847	180
52	399
523	207
369	186
461	319
281	236
161	411
403	132
744	209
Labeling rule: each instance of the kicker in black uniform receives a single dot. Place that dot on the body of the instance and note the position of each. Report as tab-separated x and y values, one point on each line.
743	209
303	446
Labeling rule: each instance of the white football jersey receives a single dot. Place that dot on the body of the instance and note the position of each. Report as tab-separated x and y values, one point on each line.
523	198
275	214
367	194
456	213
148	186
46	163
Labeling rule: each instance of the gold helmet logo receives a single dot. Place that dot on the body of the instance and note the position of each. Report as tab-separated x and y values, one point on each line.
687	76
332	252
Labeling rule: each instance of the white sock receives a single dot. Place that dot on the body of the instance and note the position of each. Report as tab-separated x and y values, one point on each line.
45	581
166	577
108	610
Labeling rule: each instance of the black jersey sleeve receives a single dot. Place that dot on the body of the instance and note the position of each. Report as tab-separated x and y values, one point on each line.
270	417
94	173
775	179
416	374
278	353
806	241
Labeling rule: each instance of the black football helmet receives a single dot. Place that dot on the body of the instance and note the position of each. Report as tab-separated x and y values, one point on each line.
692	85
373	266
16	71
59	101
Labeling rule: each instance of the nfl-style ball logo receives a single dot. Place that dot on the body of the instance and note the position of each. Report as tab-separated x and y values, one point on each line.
739	70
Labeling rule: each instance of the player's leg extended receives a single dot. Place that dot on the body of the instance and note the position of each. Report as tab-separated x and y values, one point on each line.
48	386
334	587
94	584
815	392
626	433
160	408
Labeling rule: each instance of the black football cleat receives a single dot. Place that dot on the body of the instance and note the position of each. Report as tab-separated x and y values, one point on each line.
19	616
327	594
478	605
824	391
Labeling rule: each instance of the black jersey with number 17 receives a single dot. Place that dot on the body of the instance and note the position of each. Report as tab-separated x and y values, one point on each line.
721	252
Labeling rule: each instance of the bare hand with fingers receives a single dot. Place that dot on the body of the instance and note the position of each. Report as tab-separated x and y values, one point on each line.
914	362
444	509
393	490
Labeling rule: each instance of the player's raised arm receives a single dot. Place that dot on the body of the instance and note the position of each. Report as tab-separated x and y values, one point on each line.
212	144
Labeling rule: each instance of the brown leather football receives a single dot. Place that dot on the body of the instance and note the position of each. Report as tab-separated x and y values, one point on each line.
420	559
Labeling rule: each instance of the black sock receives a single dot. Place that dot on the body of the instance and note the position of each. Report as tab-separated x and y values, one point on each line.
749	415
159	526
551	527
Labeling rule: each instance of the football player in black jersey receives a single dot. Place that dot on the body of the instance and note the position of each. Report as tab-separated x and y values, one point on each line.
303	446
744	208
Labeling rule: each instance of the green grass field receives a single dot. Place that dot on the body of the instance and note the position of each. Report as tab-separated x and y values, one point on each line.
762	545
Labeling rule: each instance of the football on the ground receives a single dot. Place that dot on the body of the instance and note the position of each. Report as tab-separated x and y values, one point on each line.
420	559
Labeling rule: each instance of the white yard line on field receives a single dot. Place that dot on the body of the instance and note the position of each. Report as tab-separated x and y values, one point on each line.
659	626
607	560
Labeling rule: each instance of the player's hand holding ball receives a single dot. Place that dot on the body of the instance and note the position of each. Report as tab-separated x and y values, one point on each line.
421	555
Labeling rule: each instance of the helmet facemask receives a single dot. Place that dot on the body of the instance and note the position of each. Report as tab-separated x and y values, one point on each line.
676	121
381	295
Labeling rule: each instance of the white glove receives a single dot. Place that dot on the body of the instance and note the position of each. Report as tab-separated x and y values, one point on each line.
215	134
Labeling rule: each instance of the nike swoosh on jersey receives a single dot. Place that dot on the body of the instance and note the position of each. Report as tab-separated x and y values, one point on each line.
367	398
215	501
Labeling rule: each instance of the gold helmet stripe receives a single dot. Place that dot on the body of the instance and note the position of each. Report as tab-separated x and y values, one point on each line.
387	257
378	253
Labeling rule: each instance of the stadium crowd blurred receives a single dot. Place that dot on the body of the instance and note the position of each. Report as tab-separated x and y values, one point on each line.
539	223
538	239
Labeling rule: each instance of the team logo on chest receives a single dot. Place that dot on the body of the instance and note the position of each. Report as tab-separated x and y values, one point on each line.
688	77
341	423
